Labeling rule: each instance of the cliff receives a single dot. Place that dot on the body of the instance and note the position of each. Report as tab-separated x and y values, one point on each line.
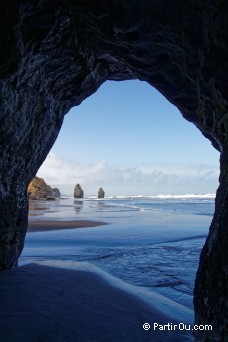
39	190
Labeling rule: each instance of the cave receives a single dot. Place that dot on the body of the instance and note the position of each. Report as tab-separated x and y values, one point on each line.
54	54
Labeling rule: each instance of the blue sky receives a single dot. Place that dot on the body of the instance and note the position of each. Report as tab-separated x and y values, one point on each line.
129	139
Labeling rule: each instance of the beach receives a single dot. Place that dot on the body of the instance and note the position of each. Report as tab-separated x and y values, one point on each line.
134	263
40	303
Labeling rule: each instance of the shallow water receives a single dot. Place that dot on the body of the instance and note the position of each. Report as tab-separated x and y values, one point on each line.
151	243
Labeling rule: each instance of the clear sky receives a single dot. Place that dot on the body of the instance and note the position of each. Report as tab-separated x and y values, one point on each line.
130	140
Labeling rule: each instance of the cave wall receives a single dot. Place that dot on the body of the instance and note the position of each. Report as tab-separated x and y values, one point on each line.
54	54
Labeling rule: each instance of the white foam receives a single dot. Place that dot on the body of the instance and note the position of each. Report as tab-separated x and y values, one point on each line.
160	196
168	196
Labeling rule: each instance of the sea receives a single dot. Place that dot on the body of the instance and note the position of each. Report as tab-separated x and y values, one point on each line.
150	244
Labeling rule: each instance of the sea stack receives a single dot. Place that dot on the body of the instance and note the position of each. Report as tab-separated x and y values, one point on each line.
56	193
101	193
78	192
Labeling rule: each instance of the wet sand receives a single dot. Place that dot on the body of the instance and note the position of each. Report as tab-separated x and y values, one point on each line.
48	304
47	225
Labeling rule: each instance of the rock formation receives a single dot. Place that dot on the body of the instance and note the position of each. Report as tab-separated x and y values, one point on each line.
54	54
56	193
78	192
39	190
101	193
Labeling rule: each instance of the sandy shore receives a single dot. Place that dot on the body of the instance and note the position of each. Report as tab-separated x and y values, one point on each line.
41	303
45	225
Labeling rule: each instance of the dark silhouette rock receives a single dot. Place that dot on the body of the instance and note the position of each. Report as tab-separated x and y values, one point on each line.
78	192
50	198
101	193
54	54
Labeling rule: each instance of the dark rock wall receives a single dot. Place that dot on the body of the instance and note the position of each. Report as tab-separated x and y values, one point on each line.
54	54
211	290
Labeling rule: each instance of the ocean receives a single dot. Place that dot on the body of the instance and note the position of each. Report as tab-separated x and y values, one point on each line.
150	243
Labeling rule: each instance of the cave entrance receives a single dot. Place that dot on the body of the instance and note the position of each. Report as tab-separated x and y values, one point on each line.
56	54
130	140
130	128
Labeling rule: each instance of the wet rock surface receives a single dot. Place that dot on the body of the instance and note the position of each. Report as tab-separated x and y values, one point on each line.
54	54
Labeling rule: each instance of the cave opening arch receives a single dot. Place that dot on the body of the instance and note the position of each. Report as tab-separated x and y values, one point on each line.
56	54
80	120
128	125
